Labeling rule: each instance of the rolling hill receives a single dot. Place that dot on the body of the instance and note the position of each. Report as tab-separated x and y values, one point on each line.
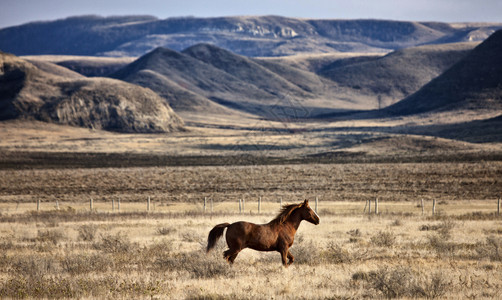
50	93
396	75
245	35
190	84
474	83
206	78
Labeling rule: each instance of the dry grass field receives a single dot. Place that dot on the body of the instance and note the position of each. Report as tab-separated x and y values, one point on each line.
77	254
72	252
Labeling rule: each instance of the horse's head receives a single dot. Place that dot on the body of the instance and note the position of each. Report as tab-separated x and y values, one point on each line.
308	214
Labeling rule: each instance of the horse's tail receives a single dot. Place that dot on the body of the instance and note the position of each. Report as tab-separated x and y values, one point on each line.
215	234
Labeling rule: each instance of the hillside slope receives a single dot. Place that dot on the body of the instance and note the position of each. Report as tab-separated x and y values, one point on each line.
206	78
190	84
397	75
28	92
474	83
244	35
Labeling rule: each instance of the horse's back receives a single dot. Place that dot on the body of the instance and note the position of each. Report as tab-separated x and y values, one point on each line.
245	234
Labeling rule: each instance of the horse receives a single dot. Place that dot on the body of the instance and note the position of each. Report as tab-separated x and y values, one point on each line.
277	235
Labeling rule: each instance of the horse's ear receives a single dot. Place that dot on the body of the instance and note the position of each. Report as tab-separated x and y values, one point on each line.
306	202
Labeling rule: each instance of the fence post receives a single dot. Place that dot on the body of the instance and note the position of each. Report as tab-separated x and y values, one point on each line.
38	204
433	207
422	204
369	206
365	205
57	204
240	206
118	205
113	204
280	202
211	205
205	202
91	204
259	204
316	202
148	204
376	206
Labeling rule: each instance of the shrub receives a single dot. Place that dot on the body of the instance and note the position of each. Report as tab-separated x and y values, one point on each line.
305	253
118	243
50	236
355	235
166	230
337	254
441	245
435	287
491	249
384	239
397	222
404	282
445	228
393	283
87	232
191	236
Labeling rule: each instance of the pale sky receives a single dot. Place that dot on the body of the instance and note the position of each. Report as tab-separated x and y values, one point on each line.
16	12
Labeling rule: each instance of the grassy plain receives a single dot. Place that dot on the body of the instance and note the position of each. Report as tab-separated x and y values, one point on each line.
75	253
400	253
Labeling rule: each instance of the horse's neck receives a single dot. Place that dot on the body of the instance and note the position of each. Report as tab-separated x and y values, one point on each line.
294	220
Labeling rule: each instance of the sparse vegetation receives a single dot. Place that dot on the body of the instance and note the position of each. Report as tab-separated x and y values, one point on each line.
384	239
123	257
75	253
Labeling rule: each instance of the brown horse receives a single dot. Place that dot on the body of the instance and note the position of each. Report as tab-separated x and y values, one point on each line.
277	235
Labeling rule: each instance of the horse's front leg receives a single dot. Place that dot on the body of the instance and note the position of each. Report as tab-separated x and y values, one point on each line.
291	258
285	255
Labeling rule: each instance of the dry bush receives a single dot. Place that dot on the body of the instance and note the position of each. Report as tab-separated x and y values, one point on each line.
306	253
355	235
491	249
383	239
87	232
445	228
440	241
404	282
441	245
191	236
436	286
336	254
118	243
53	236
166	230
397	222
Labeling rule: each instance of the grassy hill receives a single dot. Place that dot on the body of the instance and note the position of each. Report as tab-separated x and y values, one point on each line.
244	35
208	78
473	83
54	94
397	75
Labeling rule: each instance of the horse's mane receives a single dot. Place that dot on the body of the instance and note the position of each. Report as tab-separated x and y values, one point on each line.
285	213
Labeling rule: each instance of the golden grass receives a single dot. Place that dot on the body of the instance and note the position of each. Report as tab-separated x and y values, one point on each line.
337	259
400	253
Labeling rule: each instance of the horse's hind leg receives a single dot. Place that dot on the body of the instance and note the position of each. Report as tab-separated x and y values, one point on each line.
231	254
